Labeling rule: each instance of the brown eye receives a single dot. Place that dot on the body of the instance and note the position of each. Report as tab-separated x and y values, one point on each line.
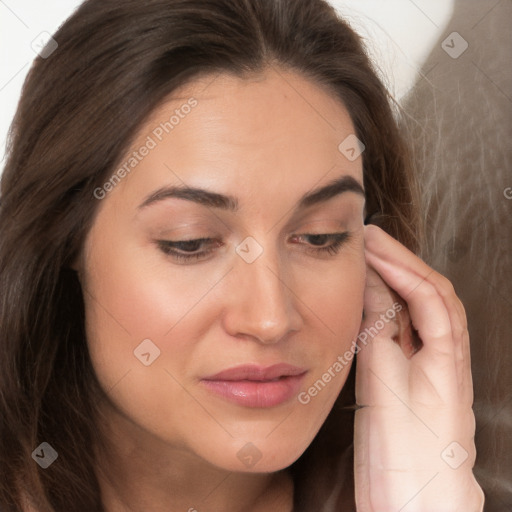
318	241
186	250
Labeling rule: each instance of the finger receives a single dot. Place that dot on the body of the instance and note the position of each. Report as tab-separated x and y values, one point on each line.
381	302
381	372
378	242
435	310
408	273
380	305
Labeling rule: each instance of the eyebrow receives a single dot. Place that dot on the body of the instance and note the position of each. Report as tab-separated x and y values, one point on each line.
230	203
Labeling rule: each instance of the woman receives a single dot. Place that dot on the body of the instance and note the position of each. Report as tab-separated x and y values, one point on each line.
187	275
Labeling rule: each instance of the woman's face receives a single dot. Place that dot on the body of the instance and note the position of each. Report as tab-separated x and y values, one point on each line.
239	163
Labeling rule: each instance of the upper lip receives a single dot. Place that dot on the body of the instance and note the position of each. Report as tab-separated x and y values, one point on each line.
257	373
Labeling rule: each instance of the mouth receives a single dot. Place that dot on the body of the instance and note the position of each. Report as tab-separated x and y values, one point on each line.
255	386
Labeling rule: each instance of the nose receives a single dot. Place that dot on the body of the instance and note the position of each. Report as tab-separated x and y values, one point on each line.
262	301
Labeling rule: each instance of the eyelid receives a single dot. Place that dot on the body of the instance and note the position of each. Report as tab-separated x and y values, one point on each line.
334	224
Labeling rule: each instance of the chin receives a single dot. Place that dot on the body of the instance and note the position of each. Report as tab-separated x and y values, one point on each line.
263	455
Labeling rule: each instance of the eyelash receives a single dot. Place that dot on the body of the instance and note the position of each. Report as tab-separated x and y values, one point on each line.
169	247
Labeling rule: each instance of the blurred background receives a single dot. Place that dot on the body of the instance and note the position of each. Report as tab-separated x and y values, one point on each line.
447	62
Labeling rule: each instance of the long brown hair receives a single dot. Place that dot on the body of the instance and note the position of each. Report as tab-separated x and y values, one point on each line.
80	109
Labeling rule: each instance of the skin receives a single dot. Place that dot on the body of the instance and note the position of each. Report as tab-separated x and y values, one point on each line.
267	140
414	437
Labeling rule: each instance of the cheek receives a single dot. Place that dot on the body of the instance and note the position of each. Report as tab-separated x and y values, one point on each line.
335	300
340	299
335	297
134	292
132	297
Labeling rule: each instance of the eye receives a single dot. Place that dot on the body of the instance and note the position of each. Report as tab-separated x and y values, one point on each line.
326	243
188	250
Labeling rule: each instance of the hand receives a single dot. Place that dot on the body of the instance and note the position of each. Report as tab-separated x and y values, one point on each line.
414	435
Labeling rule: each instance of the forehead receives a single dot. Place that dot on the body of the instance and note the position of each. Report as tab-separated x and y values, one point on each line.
268	131
256	108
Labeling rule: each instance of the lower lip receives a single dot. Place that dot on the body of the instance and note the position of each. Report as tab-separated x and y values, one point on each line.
250	393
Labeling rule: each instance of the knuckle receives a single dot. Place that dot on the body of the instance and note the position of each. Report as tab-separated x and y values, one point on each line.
444	285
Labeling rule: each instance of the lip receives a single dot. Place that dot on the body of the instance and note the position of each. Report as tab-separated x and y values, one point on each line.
256	386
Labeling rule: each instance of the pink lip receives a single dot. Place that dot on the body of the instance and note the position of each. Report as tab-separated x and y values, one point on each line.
256	386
